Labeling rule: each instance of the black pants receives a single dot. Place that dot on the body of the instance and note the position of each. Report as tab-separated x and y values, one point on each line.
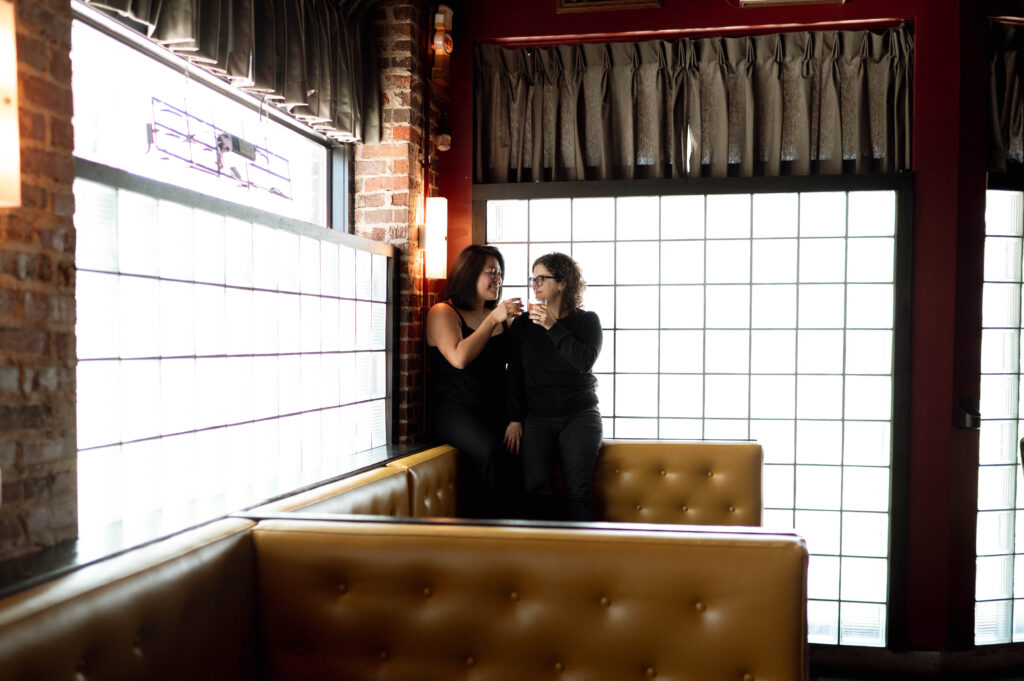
488	481
571	444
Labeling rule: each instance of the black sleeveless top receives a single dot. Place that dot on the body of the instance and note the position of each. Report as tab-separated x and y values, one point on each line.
480	387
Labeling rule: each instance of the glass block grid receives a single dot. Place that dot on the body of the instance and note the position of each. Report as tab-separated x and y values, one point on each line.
750	316
220	362
999	582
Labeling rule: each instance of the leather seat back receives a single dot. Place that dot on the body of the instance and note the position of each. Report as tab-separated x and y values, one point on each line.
181	608
432	481
381	491
690	483
435	602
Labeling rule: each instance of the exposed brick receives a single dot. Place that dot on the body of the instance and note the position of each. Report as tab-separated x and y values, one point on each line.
62	135
39	92
10	379
8	302
366	200
23	342
25	417
400	199
48	451
33	52
34	197
38	307
385	150
370	167
31	125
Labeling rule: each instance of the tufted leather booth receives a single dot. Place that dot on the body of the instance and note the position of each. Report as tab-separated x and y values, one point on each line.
432	481
434	602
182	608
636	481
381	491
689	483
296	599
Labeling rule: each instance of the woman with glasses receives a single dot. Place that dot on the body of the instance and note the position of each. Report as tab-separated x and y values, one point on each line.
552	392
467	352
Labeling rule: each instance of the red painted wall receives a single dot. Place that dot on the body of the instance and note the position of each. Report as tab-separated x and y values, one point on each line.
948	163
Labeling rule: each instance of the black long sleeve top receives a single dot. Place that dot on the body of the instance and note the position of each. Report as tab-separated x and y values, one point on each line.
549	371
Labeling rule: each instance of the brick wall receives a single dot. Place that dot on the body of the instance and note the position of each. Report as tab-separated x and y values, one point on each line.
389	184
37	296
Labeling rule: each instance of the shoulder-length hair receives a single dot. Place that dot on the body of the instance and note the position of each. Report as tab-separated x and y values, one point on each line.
565	270
461	285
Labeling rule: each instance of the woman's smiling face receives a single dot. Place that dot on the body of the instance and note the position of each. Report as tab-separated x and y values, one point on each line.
488	284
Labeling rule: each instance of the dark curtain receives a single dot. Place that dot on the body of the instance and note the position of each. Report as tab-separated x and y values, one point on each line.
1006	98
782	104
309	56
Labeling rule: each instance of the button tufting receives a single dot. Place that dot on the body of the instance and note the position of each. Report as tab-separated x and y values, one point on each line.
383	656
639	507
514	595
605	601
470	661
663	472
559	667
651	672
700	606
618	470
684	507
748	677
427	592
732	509
710	474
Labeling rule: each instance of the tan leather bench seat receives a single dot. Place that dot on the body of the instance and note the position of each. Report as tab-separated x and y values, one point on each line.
381	491
434	602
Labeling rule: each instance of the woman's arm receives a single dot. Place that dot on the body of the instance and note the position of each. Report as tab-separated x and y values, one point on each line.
444	330
582	346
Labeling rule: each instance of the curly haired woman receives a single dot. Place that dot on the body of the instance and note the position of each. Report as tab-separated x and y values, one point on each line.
552	396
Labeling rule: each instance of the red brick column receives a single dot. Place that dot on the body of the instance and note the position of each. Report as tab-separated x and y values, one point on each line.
389	184
37	296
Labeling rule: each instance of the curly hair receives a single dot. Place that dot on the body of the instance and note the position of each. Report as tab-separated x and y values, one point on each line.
460	288
566	271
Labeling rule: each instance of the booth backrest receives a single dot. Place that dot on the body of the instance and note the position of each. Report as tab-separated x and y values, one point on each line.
432	481
689	483
434	602
182	608
381	491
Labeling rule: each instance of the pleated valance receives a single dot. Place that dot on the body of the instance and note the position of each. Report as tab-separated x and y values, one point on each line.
781	104
314	57
1006	98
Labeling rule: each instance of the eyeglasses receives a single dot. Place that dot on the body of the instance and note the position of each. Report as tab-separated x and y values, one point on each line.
541	279
493	273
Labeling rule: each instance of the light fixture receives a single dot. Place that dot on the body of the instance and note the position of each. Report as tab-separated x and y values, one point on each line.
10	144
436	242
772	3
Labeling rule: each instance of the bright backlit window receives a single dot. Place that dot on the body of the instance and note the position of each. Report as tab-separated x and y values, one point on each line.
750	316
230	347
999	584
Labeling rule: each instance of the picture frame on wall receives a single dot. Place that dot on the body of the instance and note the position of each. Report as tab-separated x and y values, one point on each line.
593	5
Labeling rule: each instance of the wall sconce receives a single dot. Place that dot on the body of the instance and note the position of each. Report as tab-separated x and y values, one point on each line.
436	241
10	144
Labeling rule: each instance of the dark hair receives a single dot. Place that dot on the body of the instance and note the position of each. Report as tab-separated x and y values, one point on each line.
565	270
461	285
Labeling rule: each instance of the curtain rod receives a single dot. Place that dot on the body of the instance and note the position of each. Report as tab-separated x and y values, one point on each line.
716	31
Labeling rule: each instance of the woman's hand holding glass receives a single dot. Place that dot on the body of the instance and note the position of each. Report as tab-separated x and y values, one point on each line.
539	314
507	309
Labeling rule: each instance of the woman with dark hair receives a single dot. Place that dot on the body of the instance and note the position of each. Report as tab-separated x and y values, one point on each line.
467	352
552	391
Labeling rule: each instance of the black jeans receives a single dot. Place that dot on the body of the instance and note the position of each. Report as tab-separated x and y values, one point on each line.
571	444
488	481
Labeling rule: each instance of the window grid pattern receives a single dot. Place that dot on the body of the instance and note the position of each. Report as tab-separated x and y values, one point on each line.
751	316
221	362
999	580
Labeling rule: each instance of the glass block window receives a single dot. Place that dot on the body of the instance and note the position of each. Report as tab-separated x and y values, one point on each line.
999	584
220	362
750	316
133	128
